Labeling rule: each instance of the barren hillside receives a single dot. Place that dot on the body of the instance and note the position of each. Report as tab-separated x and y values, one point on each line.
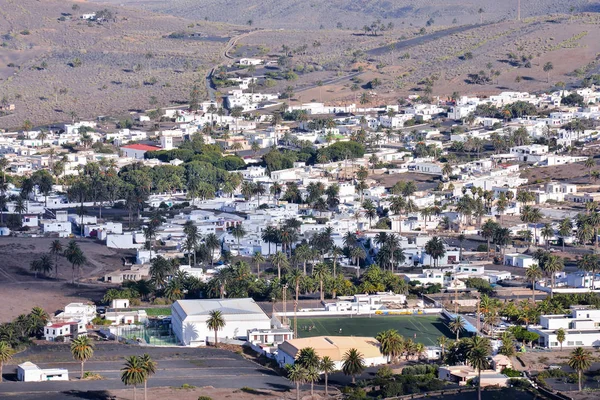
54	63
353	14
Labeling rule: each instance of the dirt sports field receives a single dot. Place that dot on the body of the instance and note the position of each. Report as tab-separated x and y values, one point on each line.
20	290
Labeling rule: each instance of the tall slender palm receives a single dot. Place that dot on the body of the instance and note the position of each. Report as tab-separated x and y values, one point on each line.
590	263
295	277
238	232
534	273
353	364
212	243
565	229
327	367
479	349
580	360
215	322
297	374
553	265
82	350
56	248
280	260
258	258
133	373
547	232
320	272
149	366
6	353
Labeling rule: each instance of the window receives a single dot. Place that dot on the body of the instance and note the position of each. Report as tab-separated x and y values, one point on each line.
570	343
579	343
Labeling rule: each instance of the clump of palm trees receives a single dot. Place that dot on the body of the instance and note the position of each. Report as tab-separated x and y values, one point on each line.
394	346
308	367
137	370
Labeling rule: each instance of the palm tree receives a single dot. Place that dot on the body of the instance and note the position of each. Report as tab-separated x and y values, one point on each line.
565	229
82	350
320	272
280	260
442	342
590	163
534	273
149	367
580	361
258	258
478	352
75	256
238	232
310	361
133	373
354	364
327	366
391	344
295	276
457	325
547	232
561	336
56	248
6	353
215	322
212	243
435	249
553	265
547	68
589	263
298	375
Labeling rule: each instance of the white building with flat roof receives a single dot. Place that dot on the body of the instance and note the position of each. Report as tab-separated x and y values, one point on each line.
189	319
29	372
582	328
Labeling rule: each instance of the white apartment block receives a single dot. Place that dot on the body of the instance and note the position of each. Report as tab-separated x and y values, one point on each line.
582	328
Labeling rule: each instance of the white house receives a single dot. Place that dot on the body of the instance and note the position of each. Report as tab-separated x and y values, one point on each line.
65	330
519	260
137	151
189	319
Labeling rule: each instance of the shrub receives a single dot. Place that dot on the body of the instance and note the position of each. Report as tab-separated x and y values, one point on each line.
187	386
205	398
482	247
392	389
511	373
519	383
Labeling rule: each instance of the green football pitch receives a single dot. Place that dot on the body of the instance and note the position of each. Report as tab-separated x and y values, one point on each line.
424	329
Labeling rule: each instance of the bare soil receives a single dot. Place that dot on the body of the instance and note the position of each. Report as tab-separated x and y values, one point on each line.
216	394
20	290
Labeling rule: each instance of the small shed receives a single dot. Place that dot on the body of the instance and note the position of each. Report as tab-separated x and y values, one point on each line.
29	372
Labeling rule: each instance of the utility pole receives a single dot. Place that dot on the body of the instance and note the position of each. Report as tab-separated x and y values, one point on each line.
519	10
478	317
284	304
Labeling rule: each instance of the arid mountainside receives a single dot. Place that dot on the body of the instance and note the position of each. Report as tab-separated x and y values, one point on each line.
54	63
353	14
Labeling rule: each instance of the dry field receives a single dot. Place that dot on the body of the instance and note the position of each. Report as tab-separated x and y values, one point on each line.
20	291
124	61
352	14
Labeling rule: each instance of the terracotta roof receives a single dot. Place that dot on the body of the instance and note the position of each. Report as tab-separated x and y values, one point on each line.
333	346
141	147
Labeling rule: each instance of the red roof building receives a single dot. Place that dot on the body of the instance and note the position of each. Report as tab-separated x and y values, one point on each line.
137	151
